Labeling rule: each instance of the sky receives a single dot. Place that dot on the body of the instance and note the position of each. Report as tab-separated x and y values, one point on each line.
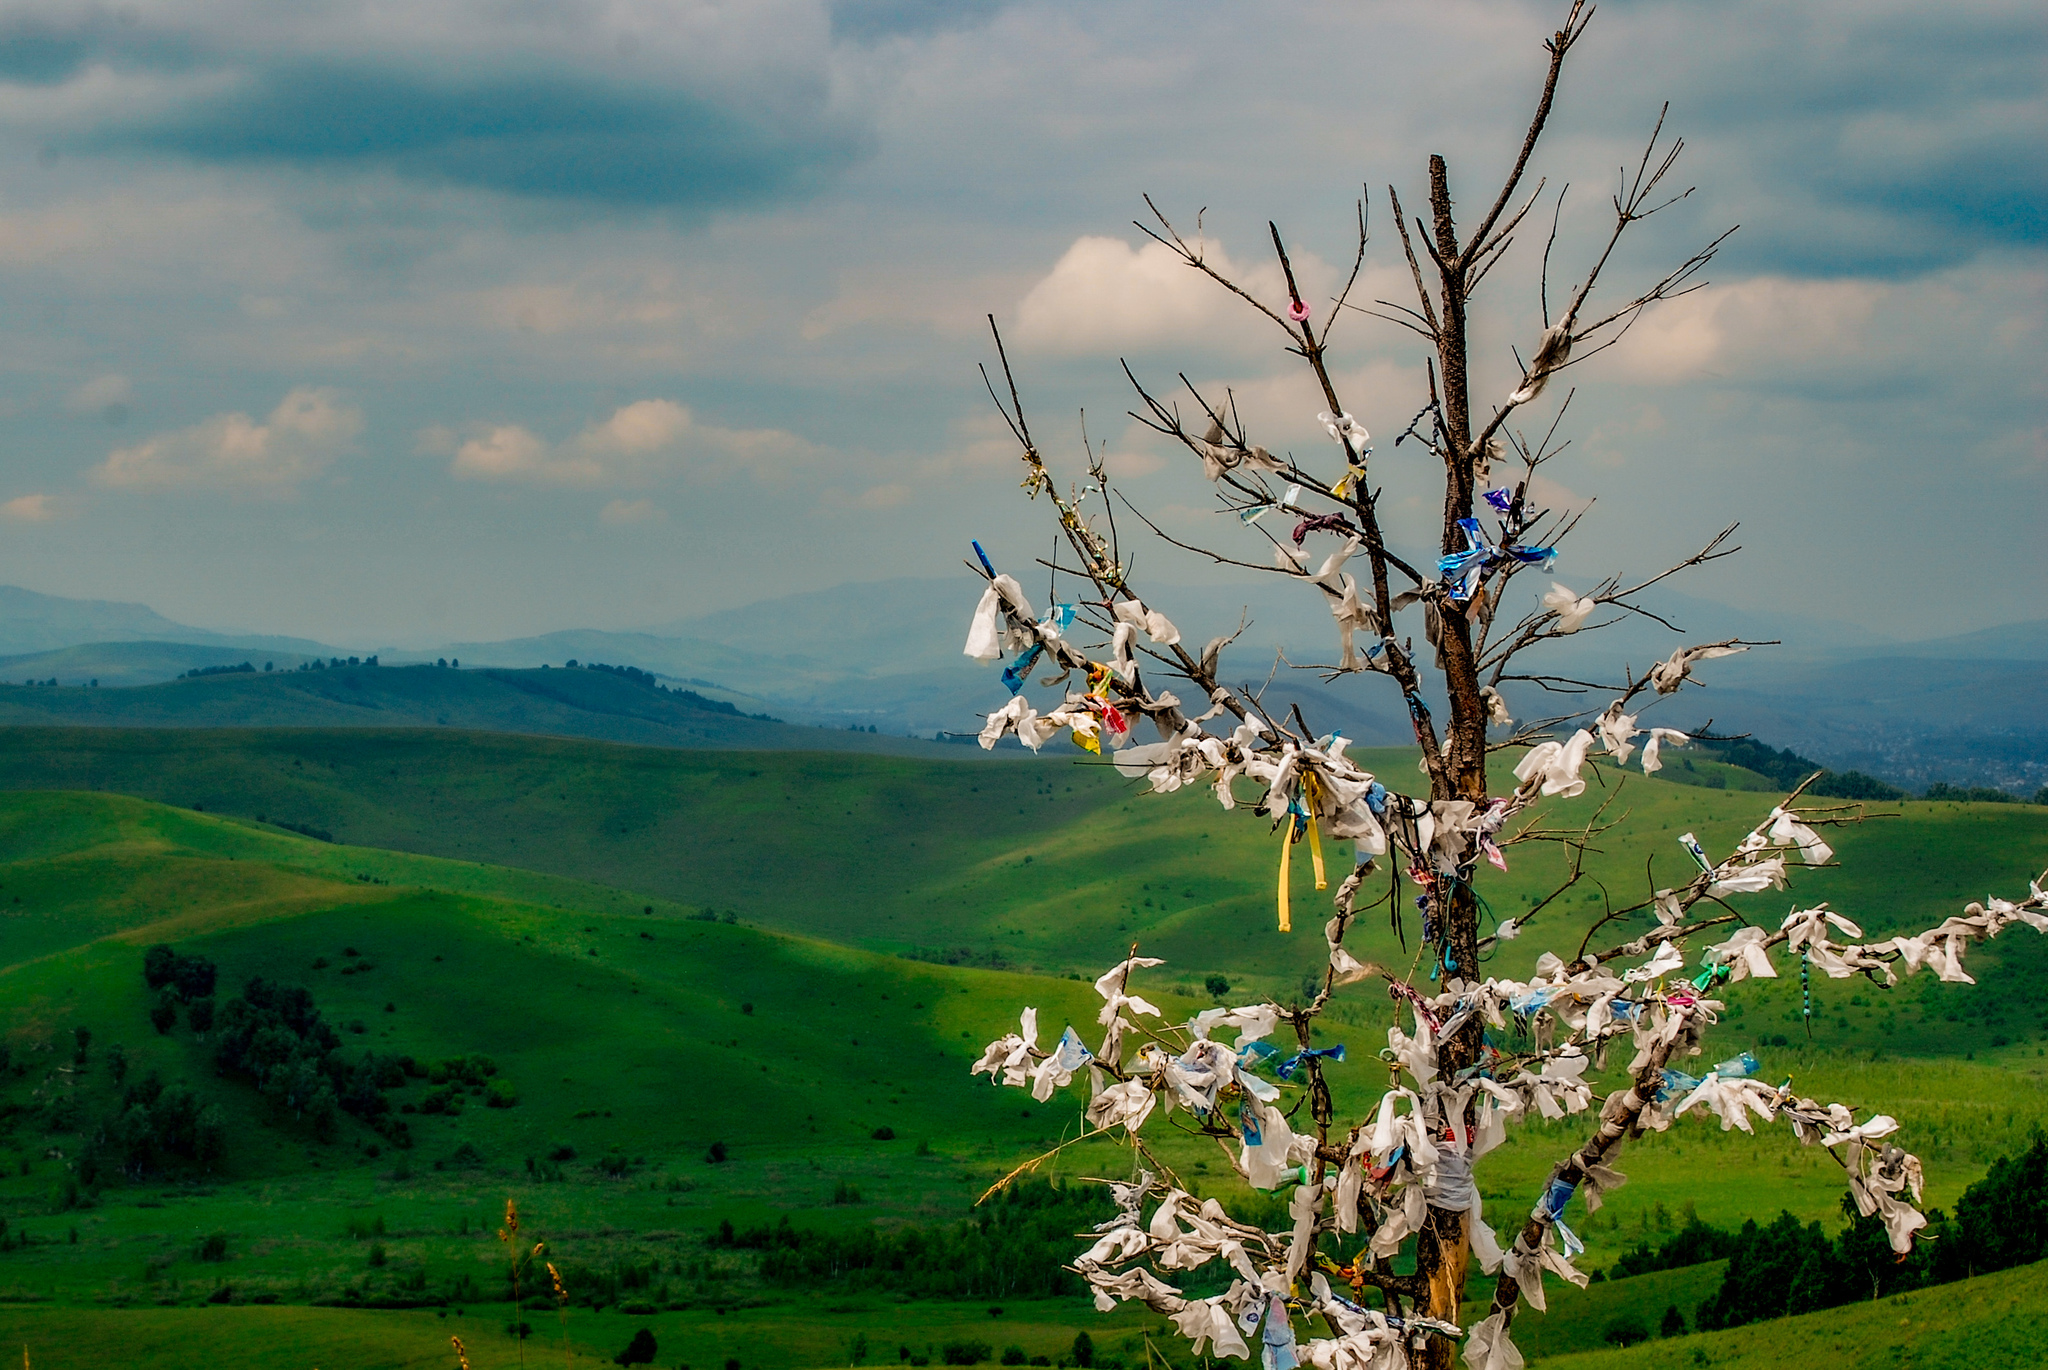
387	323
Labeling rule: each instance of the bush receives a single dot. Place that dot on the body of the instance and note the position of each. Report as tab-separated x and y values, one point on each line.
213	1247
1626	1330
189	977
884	1134
1013	1248
1084	1350
964	1352
1693	1244
1853	785
1971	794
200	1015
639	1351
1217	986
1013	1355
1673	1324
153	1124
163	1014
2002	1220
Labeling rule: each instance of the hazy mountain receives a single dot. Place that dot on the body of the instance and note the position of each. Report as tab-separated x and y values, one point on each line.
886	654
32	622
563	703
133	663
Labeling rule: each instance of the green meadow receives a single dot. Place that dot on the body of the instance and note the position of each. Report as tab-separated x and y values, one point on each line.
671	956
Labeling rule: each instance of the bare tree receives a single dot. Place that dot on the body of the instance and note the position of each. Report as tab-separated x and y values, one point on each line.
1406	1170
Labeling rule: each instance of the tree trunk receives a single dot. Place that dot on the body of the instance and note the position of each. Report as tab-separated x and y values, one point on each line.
1442	1252
1443	1249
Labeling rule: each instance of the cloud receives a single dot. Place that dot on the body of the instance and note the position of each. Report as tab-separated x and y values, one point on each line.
641	443
872	20
696	112
623	511
94	396
1105	296
29	509
233	452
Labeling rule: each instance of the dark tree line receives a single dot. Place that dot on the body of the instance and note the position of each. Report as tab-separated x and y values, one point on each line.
273	1035
1014	1247
1784	1267
155	1127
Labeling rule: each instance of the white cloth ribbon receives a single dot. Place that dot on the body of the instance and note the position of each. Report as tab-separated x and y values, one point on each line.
1571	610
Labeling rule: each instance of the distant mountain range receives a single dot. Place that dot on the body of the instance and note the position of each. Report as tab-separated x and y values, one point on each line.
561	703
1967	709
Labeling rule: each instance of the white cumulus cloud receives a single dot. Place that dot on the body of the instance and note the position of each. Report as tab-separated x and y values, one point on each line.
621	512
640	443
233	452
1103	295
29	509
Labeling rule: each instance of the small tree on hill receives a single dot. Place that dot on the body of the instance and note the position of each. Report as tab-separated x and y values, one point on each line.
1403	1174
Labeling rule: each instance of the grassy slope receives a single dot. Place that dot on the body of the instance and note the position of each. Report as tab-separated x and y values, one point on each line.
536	984
569	703
1055	866
100	867
125	873
1995	1320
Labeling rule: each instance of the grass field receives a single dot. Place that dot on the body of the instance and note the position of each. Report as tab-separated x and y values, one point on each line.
1056	866
1995	1320
632	1028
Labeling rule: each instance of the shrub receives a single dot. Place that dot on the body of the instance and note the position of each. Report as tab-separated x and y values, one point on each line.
1626	1330
213	1247
1673	1324
964	1352
639	1351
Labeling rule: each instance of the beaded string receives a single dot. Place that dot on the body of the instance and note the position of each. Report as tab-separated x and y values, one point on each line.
1806	992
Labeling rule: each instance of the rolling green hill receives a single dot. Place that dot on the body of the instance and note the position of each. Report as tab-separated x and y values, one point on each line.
1056	865
559	905
566	703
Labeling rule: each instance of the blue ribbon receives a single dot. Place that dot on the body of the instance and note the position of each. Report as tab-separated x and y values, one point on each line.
1256	1054
1071	1053
1018	673
1293	1063
1550	1208
1734	1068
1462	569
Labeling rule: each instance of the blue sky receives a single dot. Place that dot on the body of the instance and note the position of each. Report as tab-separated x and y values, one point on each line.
385	323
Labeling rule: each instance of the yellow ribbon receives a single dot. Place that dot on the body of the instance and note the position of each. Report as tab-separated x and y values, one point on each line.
1309	798
1286	858
1315	841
